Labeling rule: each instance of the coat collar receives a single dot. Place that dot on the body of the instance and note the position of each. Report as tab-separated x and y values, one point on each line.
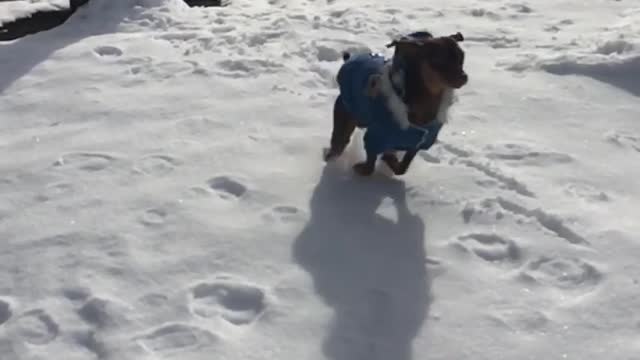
392	87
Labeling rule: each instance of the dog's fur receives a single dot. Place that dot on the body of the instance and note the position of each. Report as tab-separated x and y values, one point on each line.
433	70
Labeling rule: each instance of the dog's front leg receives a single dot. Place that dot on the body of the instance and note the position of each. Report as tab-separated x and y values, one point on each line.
406	161
399	167
392	161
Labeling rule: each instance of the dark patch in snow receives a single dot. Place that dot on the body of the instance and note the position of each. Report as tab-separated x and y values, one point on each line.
20	57
5	311
207	3
38	21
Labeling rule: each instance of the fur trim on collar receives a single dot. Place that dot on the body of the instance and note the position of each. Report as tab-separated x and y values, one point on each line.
397	107
448	98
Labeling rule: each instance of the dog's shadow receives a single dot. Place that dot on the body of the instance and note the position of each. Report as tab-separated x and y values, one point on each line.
369	269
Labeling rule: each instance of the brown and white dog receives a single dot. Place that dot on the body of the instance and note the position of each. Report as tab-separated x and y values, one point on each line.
401	103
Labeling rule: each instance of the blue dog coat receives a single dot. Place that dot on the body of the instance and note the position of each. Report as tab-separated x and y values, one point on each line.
384	115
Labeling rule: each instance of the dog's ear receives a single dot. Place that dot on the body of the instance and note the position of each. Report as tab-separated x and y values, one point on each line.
392	44
406	47
403	41
416	38
457	37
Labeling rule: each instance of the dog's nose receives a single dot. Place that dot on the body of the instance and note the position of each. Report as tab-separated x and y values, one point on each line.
460	81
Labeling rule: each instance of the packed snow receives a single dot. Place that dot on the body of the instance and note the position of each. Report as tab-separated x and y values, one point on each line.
163	193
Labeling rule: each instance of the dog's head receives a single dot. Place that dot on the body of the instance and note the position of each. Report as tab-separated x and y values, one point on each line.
444	58
431	62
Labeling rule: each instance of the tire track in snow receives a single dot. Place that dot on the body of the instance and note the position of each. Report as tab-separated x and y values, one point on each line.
549	221
510	183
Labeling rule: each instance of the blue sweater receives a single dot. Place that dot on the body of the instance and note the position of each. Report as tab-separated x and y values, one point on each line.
383	131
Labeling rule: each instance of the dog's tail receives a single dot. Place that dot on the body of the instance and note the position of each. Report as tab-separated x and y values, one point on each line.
346	55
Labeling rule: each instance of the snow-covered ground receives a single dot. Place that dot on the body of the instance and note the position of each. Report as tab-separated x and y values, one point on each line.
11	10
163	194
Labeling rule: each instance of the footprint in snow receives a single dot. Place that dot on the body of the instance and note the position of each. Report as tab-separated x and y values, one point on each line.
624	140
156	165
108	51
520	319
55	191
285	214
566	273
227	187
586	192
37	327
492	248
76	294
153	218
85	161
235	301
172	338
154	299
103	313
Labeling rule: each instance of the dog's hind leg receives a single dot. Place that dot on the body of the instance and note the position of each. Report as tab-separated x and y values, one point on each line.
343	127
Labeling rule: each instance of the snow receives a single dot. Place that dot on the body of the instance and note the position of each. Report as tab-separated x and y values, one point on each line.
12	10
163	194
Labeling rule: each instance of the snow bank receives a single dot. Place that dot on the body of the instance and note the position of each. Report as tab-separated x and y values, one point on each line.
12	10
623	73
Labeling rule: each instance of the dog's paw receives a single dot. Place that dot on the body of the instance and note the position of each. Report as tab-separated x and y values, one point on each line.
331	154
394	164
363	169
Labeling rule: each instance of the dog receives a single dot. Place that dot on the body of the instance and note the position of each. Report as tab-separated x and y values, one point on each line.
401	102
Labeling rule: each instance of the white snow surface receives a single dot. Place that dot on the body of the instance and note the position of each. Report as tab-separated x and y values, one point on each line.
163	194
12	10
